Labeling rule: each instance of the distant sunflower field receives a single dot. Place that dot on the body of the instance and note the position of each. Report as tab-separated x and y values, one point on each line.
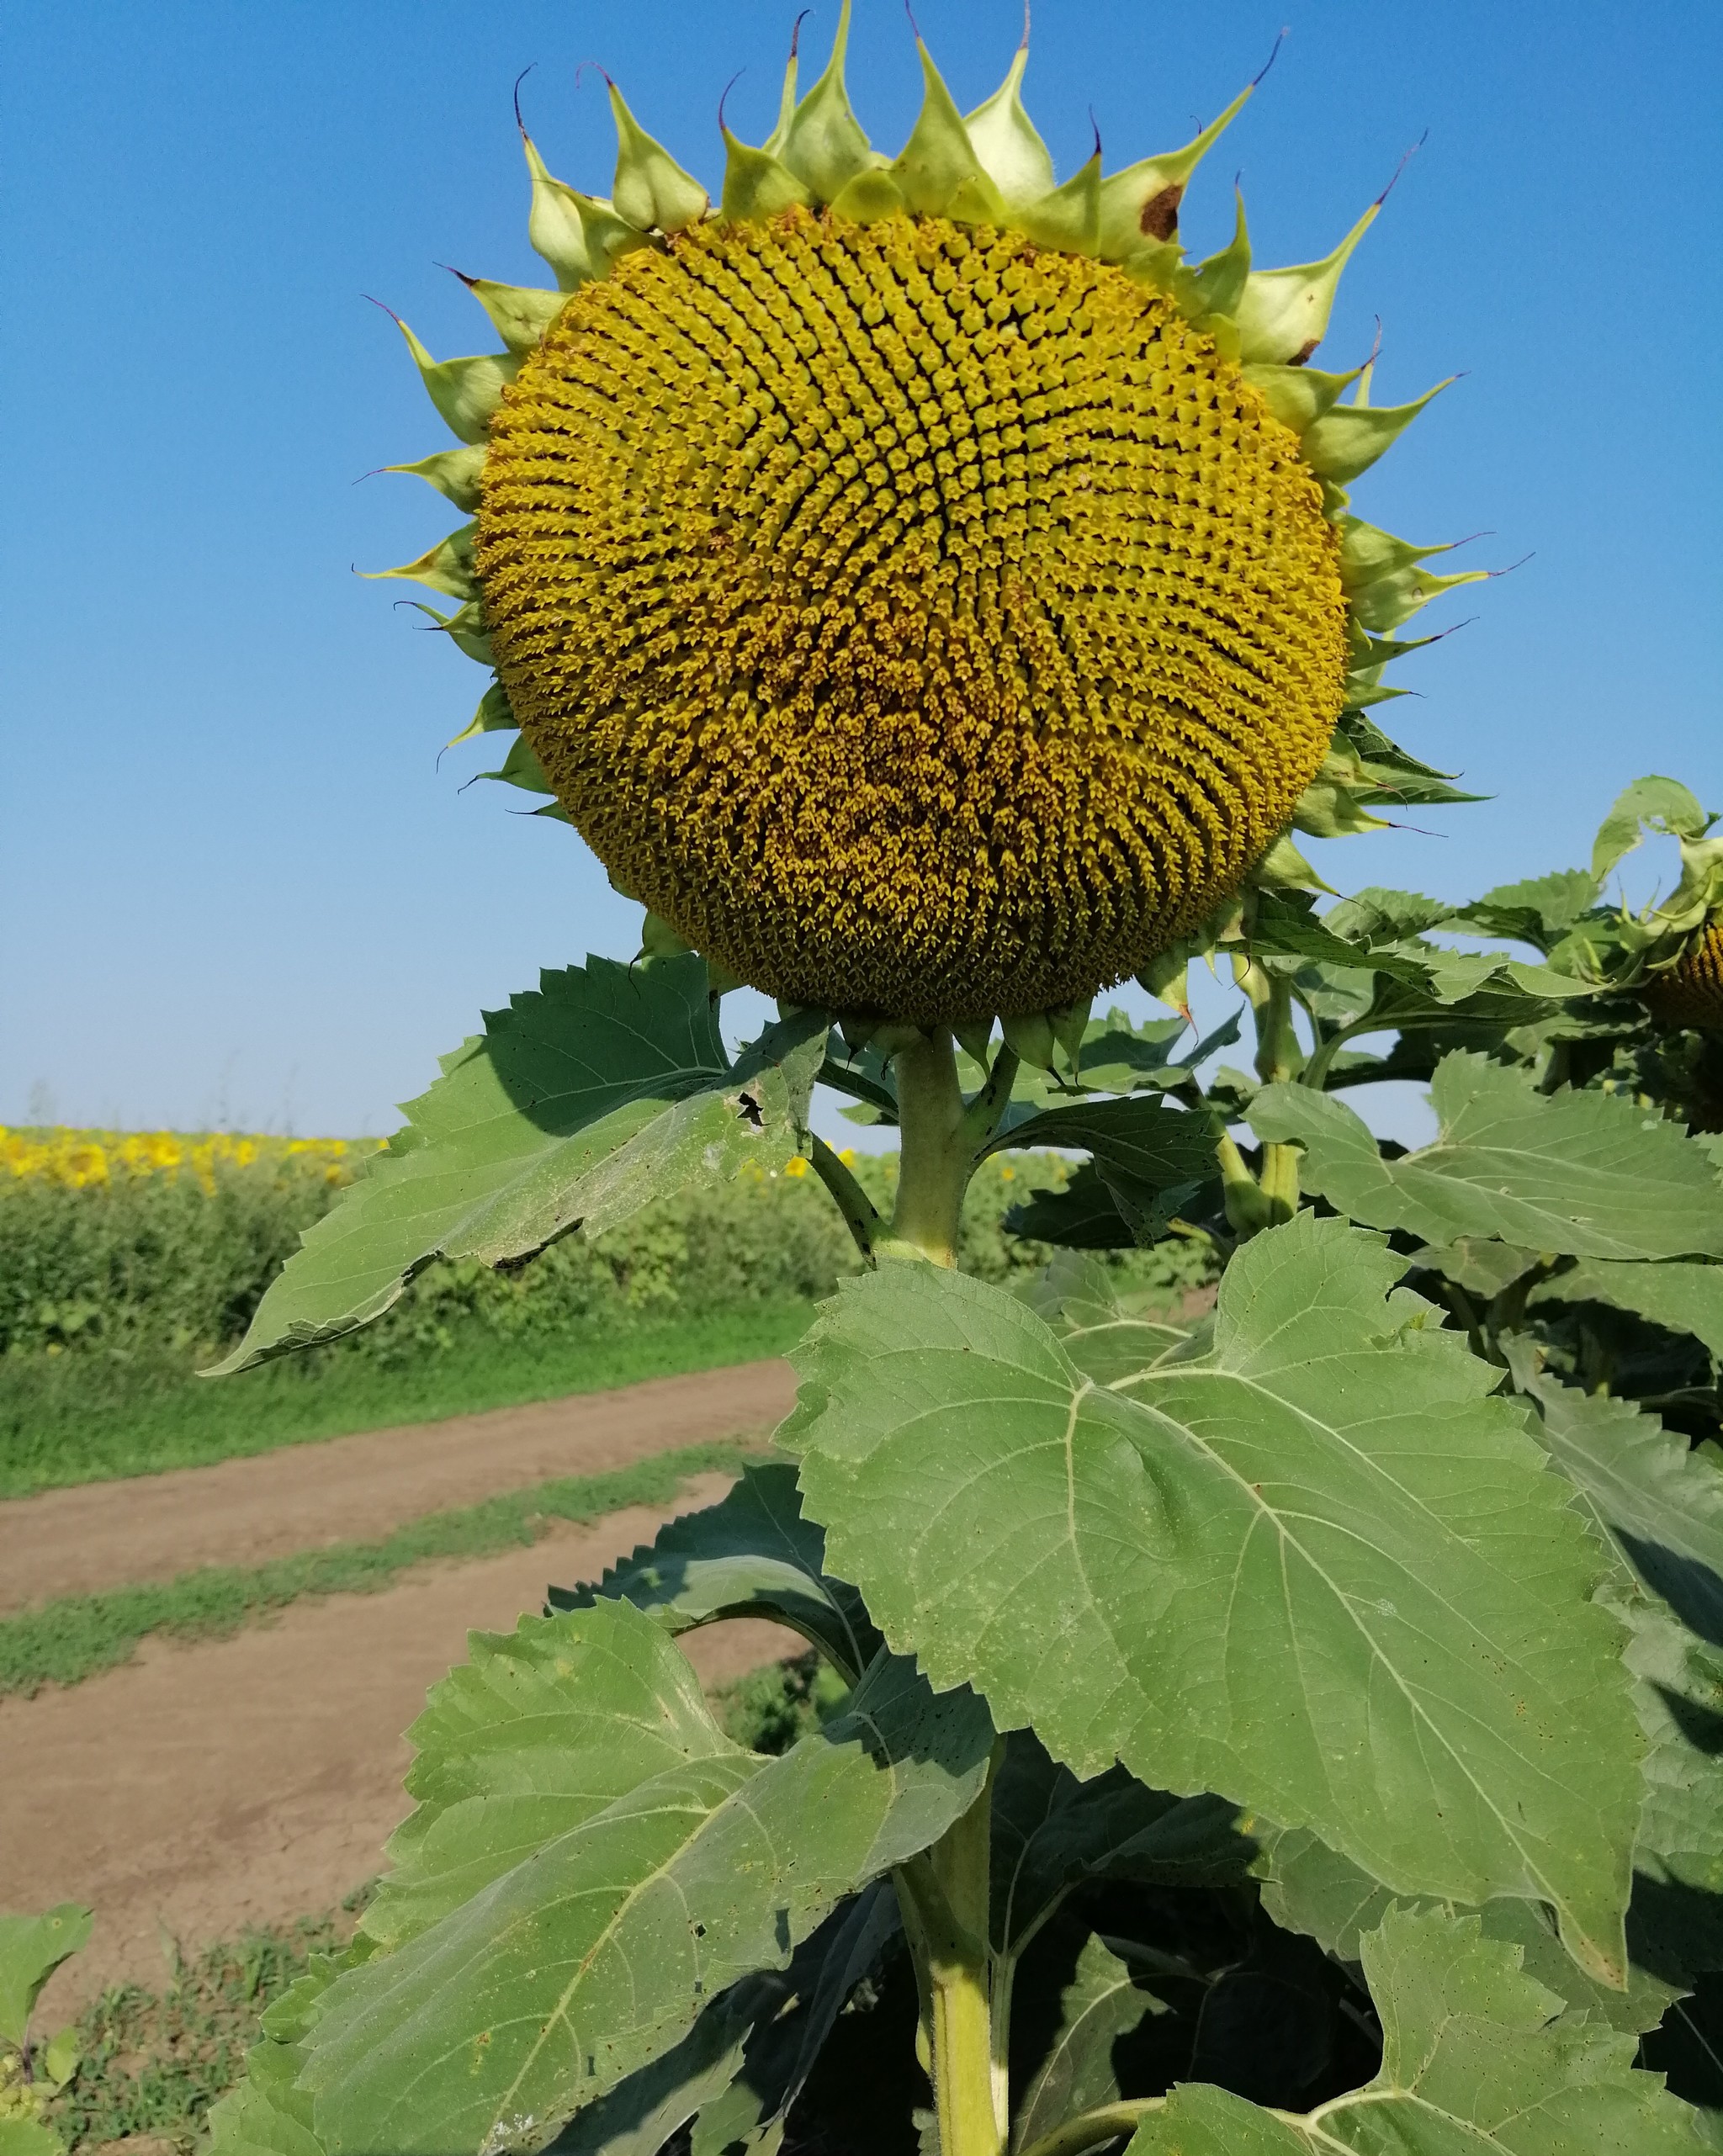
129	1260
79	1159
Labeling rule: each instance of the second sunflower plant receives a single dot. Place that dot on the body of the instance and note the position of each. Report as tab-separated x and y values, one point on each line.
1279	1728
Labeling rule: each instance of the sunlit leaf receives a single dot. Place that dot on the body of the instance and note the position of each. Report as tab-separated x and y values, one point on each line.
586	1960
1585	1174
583	1101
1318	1571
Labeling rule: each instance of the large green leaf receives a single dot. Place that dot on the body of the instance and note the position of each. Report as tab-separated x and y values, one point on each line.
1675	1927
645	2111
1306	1888
1681	1298
1082	1216
1051	1832
1108	1334
266	2114
1477	2060
1580	1174
783	2051
755	1555
1659	1502
1155	1159
540	1729
586	1962
607	1087
1539	912
1319	1570
1659	1508
1101	2005
1378	932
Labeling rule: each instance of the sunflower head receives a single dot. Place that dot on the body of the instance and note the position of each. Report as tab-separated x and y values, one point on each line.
1670	955
927	594
1689	993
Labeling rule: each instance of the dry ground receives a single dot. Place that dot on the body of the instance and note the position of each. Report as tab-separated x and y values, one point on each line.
206	1786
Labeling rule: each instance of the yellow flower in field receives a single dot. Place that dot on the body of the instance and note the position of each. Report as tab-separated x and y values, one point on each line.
87	1164
796	1167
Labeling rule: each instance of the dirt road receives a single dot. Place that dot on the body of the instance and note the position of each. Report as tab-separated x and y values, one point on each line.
241	1511
203	1788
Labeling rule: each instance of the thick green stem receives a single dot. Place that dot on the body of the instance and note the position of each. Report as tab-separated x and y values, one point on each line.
935	1155
944	1892
1316	1071
944	1897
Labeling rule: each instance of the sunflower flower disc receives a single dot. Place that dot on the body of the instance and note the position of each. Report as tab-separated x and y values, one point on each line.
920	622
1691	992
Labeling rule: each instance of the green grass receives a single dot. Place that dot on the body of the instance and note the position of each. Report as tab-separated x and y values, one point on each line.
74	1418
75	1636
153	2062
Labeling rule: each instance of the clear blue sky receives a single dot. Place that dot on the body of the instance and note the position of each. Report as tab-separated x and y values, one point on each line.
237	886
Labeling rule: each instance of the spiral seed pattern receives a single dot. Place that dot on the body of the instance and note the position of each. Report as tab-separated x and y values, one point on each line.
920	622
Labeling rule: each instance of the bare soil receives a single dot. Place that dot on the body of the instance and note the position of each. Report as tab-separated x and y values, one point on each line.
303	1497
206	1787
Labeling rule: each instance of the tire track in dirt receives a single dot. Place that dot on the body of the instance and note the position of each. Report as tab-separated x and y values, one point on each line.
303	1496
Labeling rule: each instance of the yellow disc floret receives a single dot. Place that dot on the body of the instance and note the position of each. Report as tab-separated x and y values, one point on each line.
920	622
1690	992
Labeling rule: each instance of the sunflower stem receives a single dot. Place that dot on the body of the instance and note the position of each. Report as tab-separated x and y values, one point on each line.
935	1153
943	1894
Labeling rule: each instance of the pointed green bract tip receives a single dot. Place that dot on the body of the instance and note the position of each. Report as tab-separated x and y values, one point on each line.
1347	439
447	567
938	159
493	716
756	184
1283	315
652	191
555	228
824	145
1142	202
520	314
1298	396
1069	218
464	391
1220	281
774	143
454	472
1006	142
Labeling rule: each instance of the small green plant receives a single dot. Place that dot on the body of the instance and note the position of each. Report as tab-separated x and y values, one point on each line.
32	2072
1288	1726
153	2061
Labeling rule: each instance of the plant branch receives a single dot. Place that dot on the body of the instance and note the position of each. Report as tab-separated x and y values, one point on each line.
1316	1071
1094	2129
852	1201
982	1116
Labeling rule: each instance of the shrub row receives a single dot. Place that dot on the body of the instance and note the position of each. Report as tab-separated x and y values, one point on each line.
141	1267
